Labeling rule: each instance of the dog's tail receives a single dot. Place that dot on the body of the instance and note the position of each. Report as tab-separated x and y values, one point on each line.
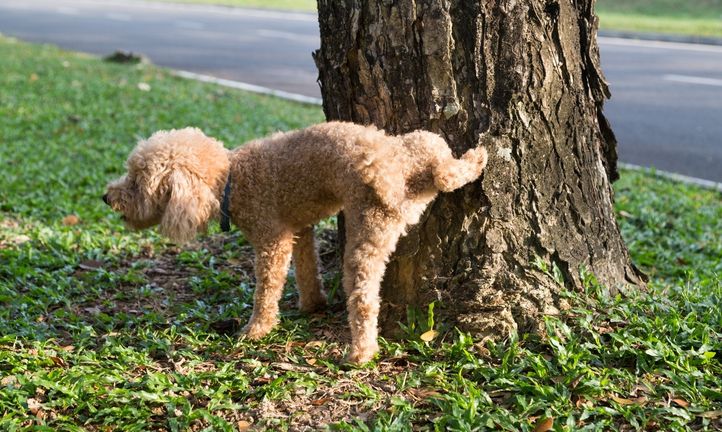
451	174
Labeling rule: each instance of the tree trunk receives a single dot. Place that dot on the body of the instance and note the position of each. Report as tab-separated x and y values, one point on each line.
522	78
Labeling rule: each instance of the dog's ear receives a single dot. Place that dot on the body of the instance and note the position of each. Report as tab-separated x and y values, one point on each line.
190	205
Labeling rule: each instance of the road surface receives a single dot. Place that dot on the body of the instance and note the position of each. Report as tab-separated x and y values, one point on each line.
666	107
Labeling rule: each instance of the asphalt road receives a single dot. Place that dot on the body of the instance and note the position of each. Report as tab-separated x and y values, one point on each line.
666	107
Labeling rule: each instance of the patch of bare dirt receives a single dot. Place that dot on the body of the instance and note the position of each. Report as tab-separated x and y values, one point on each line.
340	399
10	235
164	278
336	395
160	280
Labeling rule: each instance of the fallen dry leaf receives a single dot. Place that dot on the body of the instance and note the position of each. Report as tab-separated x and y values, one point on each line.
33	405
59	362
243	425
429	335
544	424
633	401
15	240
314	344
8	381
319	402
482	350
157	271
640	400
643	388
424	393
292	344
605	330
711	414
90	265
581	402
622	401
93	310
681	402
285	366
625	214
260	381
71	220
575	382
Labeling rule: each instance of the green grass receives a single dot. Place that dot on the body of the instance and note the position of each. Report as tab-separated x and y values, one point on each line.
674	25
103	329
695	17
296	5
685	9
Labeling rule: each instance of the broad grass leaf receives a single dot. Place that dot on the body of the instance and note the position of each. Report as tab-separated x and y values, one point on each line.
653	353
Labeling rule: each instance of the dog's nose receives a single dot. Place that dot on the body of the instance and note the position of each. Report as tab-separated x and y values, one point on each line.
105	199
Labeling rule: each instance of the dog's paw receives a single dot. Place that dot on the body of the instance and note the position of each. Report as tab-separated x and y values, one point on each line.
316	304
255	331
363	354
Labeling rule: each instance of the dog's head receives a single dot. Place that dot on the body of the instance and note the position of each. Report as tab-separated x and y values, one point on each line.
172	181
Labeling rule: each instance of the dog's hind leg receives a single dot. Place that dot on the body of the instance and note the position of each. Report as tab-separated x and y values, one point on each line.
310	285
450	173
272	260
371	238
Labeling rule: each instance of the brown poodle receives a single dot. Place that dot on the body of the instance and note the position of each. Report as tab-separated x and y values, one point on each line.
279	187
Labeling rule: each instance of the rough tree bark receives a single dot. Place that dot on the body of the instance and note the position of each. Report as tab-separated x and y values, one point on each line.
522	78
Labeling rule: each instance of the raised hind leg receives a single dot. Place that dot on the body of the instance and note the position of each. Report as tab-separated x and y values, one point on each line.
451	174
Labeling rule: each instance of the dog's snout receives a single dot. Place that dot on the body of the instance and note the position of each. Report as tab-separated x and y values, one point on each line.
105	199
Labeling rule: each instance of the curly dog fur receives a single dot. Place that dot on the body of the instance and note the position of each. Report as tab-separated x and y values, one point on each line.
281	186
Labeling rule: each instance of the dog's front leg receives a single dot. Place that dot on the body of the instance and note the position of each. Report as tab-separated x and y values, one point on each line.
272	260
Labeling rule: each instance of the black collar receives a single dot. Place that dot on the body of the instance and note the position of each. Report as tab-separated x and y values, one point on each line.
225	214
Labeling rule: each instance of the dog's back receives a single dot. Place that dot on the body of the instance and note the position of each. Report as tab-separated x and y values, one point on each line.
338	160
312	173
